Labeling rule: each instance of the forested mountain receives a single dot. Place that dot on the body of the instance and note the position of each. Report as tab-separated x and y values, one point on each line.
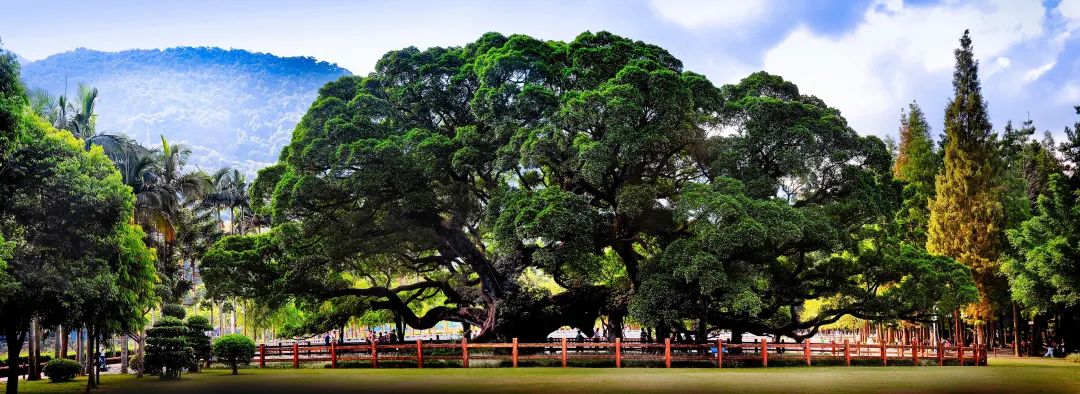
233	107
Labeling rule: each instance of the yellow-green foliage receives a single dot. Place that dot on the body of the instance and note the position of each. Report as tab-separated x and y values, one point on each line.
966	214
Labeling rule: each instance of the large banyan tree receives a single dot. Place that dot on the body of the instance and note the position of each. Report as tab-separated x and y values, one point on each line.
519	185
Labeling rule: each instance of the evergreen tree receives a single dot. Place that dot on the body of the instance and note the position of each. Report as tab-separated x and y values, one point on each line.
966	215
168	351
916	165
198	340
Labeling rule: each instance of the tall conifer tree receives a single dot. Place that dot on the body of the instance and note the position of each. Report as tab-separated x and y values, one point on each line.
916	165
966	214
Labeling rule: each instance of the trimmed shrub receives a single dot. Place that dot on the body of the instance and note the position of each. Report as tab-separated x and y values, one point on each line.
234	349
62	370
1073	358
173	310
198	340
167	348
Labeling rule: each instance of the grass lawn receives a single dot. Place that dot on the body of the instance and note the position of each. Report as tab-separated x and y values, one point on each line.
1003	375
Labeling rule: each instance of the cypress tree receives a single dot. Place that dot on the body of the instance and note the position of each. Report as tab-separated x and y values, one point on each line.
916	166
966	214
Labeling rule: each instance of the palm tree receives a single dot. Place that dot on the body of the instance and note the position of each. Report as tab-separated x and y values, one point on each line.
197	229
230	191
82	122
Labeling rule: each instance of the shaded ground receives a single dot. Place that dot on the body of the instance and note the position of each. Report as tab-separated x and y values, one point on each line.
1003	375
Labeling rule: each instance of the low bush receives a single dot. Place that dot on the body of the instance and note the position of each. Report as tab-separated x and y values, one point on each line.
234	349
1073	358
62	370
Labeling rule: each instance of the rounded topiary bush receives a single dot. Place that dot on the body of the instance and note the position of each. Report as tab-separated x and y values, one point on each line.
234	349
167	348
62	370
173	310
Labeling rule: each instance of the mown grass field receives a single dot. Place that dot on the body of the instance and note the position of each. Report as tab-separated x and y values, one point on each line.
1003	375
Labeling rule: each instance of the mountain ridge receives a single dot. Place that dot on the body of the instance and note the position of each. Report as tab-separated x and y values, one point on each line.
233	107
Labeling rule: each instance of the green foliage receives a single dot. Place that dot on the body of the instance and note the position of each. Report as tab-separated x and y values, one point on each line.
167	349
173	310
916	166
450	182
234	349
62	370
87	265
198	340
966	215
1045	273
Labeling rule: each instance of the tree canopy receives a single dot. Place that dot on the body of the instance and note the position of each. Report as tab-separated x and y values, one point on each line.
71	251
433	186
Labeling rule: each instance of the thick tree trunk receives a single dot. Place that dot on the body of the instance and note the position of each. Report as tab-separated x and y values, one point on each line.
1036	335
399	328
57	334
98	350
736	338
91	382
221	318
140	354
79	348
15	339
123	354
33	365
980	333
1070	330
66	336
615	326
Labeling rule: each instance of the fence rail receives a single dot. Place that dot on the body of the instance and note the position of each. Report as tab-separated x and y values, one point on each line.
716	353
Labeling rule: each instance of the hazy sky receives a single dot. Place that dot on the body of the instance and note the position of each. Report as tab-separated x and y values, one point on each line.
867	58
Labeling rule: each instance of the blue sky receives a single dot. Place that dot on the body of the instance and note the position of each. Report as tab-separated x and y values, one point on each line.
868	58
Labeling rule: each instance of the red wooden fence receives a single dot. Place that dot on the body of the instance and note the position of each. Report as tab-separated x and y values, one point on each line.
616	351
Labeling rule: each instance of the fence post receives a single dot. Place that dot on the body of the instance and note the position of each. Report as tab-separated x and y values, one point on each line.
333	354
374	354
884	355
915	354
960	355
514	352
847	352
295	355
667	352
464	352
564	352
419	354
764	352
940	353
806	350
618	352
262	355
719	353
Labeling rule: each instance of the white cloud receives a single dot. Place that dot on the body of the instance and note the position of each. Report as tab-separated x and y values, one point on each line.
693	14
870	72
1070	9
1069	94
1037	72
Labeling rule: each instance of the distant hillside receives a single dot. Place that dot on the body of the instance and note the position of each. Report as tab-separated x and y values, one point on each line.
233	107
